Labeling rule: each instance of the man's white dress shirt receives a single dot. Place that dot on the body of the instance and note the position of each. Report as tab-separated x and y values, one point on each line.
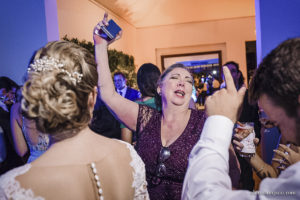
207	175
122	92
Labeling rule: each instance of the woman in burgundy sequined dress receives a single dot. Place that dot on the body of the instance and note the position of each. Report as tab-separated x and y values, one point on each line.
165	184
164	139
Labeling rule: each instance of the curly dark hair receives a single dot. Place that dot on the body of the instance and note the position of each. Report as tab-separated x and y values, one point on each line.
278	76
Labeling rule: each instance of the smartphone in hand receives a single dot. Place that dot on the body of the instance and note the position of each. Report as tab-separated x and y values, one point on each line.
109	32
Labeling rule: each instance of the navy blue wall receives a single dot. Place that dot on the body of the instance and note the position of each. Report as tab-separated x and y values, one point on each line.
22	31
276	21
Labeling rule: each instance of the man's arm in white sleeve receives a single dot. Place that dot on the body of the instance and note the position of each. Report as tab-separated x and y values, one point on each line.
207	175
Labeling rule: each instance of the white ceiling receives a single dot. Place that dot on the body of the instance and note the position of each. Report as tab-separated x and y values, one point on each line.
145	13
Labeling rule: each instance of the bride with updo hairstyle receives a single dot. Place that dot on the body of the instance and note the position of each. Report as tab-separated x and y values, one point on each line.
59	95
57	98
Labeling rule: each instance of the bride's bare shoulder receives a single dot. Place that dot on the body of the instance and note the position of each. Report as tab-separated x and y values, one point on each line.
110	142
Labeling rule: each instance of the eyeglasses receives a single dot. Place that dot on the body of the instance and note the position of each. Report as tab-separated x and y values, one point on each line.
161	169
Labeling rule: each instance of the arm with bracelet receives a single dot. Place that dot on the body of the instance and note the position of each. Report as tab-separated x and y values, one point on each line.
261	168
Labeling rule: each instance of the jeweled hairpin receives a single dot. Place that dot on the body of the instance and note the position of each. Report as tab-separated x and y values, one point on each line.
48	64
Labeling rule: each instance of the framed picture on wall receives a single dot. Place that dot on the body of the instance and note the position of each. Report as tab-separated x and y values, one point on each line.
201	64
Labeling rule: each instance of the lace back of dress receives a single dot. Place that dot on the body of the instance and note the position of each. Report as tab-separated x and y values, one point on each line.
139	180
11	188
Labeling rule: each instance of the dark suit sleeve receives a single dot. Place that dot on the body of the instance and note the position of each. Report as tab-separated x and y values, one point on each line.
132	94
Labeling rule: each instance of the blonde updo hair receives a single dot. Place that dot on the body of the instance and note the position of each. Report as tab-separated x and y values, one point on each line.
57	103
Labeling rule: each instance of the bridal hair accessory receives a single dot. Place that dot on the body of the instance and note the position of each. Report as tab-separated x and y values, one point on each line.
48	64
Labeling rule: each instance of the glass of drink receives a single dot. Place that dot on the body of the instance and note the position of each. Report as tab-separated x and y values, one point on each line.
246	129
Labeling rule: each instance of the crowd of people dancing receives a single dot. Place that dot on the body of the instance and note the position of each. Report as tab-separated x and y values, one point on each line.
55	142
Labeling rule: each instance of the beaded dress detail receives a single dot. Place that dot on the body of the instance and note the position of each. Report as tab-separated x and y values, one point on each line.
38	149
100	191
10	188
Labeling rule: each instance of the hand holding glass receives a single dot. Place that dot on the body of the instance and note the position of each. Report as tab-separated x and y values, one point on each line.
246	130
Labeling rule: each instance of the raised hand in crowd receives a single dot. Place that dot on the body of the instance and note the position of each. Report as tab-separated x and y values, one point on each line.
230	97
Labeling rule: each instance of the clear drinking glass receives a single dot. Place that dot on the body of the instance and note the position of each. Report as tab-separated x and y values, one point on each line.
246	129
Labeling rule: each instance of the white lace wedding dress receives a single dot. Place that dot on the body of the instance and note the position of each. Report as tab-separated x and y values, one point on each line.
90	181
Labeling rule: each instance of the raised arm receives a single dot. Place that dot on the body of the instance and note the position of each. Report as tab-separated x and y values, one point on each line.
16	130
125	110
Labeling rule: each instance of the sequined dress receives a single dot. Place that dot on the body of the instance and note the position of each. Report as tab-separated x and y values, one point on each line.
149	145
